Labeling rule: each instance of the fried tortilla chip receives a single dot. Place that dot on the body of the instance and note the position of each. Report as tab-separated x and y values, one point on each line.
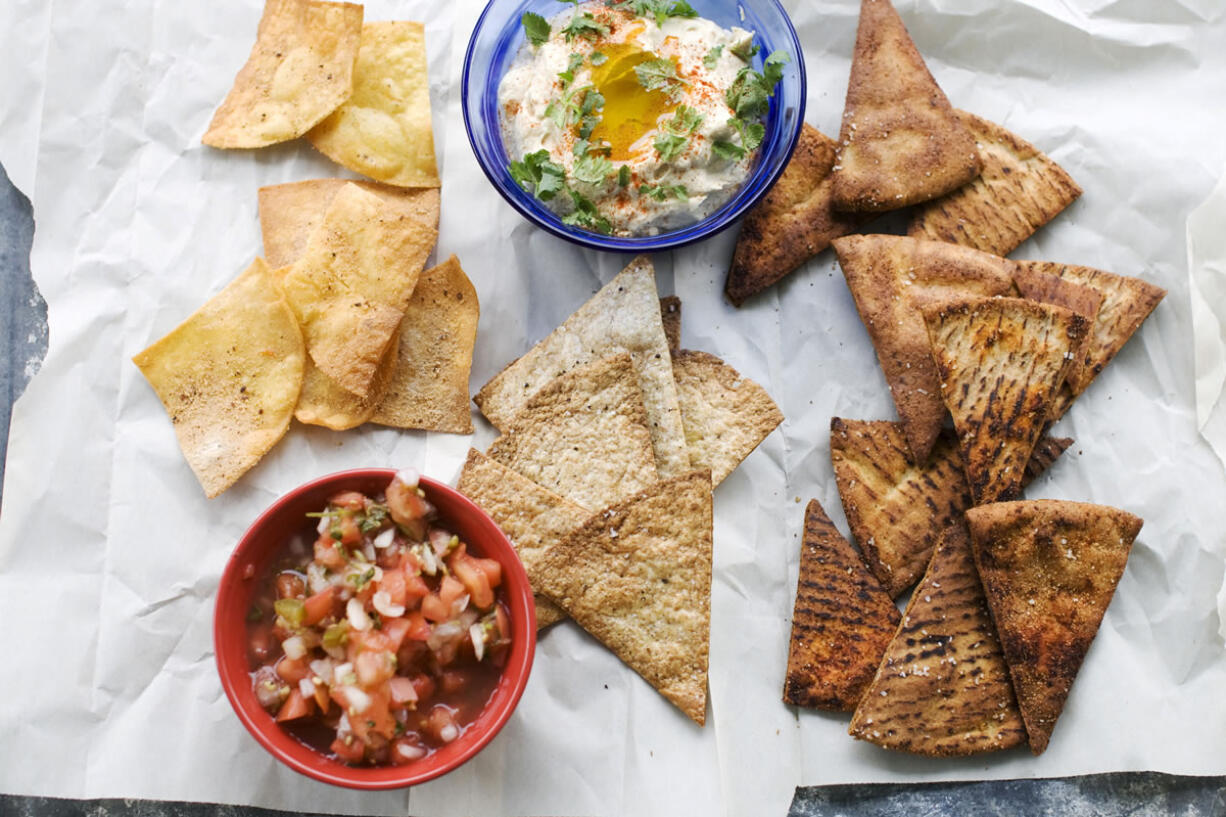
637	576
901	142
584	436
429	386
841	624
1001	362
892	278
1018	192
383	129
794	221
301	69
229	377
1049	569
290	213
531	517
725	415
350	288
622	316
324	403
943	687
1050	288
670	315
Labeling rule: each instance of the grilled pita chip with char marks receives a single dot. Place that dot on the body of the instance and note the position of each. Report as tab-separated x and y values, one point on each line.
1049	288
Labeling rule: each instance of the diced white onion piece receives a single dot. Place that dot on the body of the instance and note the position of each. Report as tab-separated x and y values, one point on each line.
324	523
402	689
316	578
477	634
467	618
307	688
340	671
294	647
378	574
323	667
358	700
429	562
368	550
449	733
440	540
356	613
407	751
409	476
343	726
459	605
443	633
385	539
382	602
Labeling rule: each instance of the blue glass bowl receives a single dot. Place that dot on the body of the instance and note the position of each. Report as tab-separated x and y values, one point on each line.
498	37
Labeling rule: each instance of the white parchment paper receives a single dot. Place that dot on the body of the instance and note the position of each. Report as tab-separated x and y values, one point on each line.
110	555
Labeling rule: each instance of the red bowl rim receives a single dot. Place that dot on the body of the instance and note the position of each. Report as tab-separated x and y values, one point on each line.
229	630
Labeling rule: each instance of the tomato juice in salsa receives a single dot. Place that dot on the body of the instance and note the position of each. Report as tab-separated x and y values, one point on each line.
376	637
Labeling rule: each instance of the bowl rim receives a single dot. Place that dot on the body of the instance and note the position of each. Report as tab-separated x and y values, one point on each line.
310	762
710	226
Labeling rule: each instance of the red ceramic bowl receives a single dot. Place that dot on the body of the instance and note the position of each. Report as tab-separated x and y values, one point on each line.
258	548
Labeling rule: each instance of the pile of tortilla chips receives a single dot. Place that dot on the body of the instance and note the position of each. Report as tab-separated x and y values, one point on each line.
612	440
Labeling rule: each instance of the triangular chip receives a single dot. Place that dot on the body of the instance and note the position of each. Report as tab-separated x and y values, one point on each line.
299	70
670	315
1018	192
531	517
623	316
901	142
841	623
1049	568
383	130
324	403
637	576
429	386
584	436
1001	362
794	221
892	278
1050	288
725	415
943	687
229	377
290	213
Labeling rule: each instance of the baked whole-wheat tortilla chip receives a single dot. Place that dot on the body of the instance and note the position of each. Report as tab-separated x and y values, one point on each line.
584	436
1050	288
290	213
943	688
383	130
299	71
794	221
229	377
1049	569
841	623
892	278
1001	362
901	142
670	316
623	316
1018	192
725	415
428	388
350	288
531	517
324	403
637	576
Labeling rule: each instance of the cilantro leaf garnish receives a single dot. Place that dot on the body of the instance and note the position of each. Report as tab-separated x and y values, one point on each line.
749	98
712	57
598	58
727	150
745	50
536	27
538	175
623	176
670	146
660	75
586	215
593	101
592	168
685	120
661	10
568	76
584	25
662	192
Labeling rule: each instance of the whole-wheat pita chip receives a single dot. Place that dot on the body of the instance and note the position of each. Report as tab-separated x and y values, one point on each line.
943	687
584	436
290	213
531	517
324	403
725	415
1049	569
1050	288
1018	192
429	386
383	129
350	288
841	623
892	278
623	316
670	316
229	377
299	70
901	142
1001	363
794	221
637	576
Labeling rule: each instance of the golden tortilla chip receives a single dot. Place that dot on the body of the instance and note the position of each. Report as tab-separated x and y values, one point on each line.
300	69
637	576
794	221
892	278
943	687
623	316
725	415
229	377
670	315
383	129
429	387
324	403
351	287
1050	288
841	623
901	142
531	517
1018	192
1049	569
1001	362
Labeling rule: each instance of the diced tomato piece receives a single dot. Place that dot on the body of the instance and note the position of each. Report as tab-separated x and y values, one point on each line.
296	706
492	569
419	628
453	680
415	589
404	504
261	644
474	580
440	725
435	609
402	691
424	685
395	629
293	670
393	584
351	534
503	621
406	749
369	641
375	668
328	554
375	719
348	749
319	606
349	500
322	698
450	590
290	585
408	561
